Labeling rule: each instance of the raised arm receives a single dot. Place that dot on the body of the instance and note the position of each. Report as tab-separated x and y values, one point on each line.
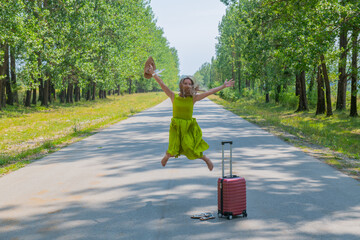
203	95
165	88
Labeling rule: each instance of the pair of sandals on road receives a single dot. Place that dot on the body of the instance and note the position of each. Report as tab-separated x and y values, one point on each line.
203	216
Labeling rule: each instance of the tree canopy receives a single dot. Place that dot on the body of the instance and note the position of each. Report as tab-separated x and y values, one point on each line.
275	48
96	46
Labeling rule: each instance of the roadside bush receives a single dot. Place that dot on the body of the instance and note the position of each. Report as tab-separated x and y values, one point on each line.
288	99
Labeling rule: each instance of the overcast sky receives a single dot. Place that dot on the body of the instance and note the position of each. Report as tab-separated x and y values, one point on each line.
190	26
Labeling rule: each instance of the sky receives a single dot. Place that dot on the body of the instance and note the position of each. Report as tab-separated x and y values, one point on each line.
191	26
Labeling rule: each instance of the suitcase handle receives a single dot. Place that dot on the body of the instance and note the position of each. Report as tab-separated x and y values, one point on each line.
223	171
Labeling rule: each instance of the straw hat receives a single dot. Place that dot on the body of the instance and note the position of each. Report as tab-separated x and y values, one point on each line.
149	62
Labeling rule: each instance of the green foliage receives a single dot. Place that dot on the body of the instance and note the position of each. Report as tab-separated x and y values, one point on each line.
264	44
288	99
85	42
203	75
229	94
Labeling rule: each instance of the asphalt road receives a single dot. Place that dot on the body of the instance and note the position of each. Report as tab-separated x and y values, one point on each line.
112	186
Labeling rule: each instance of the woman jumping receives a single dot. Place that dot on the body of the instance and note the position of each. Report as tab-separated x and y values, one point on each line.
185	136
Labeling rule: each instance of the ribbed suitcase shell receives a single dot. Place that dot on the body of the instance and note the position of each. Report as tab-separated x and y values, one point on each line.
234	196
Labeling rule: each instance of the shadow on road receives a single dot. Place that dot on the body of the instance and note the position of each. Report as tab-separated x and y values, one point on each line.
111	186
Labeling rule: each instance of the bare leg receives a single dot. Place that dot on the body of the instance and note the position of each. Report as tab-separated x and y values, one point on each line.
208	162
165	159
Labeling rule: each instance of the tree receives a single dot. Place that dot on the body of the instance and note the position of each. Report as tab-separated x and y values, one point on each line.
320	107
93	46
341	93
282	41
327	85
354	72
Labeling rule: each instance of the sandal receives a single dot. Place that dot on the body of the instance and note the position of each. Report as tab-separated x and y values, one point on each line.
203	216
198	216
207	217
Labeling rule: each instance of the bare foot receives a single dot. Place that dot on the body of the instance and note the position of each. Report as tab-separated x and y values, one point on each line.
208	162
165	159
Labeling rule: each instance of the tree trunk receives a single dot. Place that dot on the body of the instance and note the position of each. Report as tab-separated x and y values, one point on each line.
267	97
69	96
297	85
68	93
9	94
267	89
62	96
247	83
77	92
52	93
2	90
239	73
303	105
83	93
312	82
41	83
27	99
129	81
354	71
41	90
13	74
320	107
93	90
34	97
341	93
327	85
45	98
233	62
49	92
118	89
2	85
102	94
88	92
277	93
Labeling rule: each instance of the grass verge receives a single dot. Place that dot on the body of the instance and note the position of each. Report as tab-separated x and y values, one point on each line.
334	140
27	134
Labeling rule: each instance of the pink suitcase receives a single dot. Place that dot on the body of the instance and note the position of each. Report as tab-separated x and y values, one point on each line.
231	192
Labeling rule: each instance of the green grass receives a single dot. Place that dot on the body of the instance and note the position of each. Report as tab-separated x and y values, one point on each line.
339	133
30	133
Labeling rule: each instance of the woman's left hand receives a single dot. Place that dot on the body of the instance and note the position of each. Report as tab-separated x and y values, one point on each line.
229	83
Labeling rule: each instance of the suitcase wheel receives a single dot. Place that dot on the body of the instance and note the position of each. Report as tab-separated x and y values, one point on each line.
220	215
230	217
244	213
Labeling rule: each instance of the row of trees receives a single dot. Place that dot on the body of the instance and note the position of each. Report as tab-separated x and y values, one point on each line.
281	46
73	49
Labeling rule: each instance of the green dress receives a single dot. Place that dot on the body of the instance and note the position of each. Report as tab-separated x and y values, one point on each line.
185	136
